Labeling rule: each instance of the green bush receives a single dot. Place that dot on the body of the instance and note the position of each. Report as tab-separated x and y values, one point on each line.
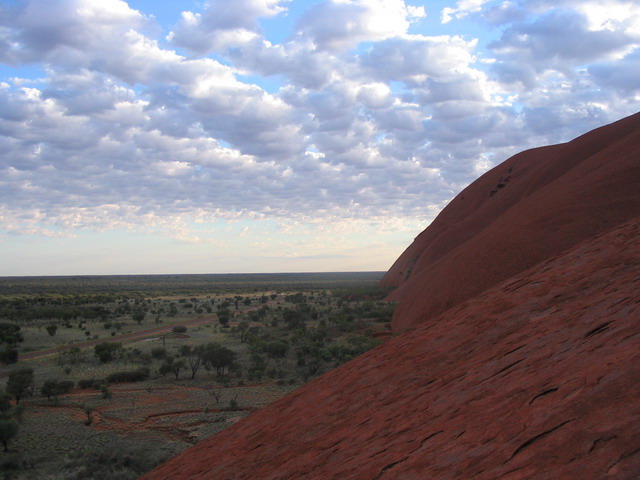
8	354
128	376
107	351
159	352
90	383
105	392
53	388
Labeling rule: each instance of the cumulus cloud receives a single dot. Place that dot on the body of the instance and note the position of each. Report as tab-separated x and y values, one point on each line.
372	119
340	24
621	76
561	39
223	24
462	9
65	30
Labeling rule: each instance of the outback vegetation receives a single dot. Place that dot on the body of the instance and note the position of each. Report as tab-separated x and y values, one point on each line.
106	377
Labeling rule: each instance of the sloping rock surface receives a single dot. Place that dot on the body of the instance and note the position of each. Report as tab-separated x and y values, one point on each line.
522	361
531	207
535	378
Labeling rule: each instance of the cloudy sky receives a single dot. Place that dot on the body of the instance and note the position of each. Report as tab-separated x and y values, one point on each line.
280	135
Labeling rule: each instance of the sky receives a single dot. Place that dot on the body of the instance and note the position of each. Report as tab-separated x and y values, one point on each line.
148	137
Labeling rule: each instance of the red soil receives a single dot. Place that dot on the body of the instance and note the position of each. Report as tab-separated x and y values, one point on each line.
532	374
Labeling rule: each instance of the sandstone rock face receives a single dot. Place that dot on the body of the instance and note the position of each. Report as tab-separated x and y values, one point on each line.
535	205
523	357
535	378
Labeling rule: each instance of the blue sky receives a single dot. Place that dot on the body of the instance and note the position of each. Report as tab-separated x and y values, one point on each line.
280	136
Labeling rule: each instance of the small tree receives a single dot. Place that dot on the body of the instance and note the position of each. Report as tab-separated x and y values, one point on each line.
10	333
20	382
223	316
139	315
8	430
218	357
216	395
233	403
8	354
105	392
177	367
172	366
107	351
243	328
52	329
276	349
5	405
293	318
193	356
54	388
88	410
158	352
72	355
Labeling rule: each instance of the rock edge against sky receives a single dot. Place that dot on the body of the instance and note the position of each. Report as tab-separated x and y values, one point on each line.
533	376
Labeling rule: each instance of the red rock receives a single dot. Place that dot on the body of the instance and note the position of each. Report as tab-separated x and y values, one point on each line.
551	199
534	376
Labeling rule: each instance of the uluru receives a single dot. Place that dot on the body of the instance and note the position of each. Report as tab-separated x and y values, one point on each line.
515	350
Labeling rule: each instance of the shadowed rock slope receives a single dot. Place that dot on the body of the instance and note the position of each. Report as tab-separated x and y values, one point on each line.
535	377
533	206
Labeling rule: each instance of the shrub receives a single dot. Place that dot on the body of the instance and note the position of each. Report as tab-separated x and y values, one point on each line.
179	329
90	383
128	376
20	383
276	349
159	352
53	388
8	430
106	351
8	354
105	392
10	333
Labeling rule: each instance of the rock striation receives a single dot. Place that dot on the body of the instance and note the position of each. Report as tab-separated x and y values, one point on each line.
531	375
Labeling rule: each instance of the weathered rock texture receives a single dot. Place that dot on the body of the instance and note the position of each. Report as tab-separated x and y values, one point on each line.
535	377
535	205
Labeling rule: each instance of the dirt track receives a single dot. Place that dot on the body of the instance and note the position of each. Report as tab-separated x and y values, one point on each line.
151	332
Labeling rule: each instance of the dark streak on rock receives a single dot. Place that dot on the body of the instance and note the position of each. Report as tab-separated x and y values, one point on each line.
534	439
543	393
424	440
514	350
623	457
386	468
597	330
378	453
600	440
509	472
504	369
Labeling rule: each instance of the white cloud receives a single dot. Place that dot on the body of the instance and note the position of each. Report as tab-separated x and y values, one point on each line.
341	24
621	76
414	59
462	9
223	24
367	122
